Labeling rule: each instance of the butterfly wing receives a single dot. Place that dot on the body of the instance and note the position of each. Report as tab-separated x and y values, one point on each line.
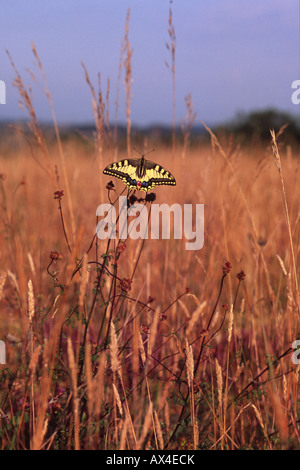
125	170
158	175
135	177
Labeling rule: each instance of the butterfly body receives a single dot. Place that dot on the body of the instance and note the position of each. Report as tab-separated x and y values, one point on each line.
140	174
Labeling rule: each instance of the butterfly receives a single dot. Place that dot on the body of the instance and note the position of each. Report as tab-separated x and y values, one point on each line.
139	173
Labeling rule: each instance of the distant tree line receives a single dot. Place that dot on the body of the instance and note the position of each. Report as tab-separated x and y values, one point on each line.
256	125
245	128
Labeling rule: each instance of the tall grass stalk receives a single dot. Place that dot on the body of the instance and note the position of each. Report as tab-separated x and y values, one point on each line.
278	164
171	47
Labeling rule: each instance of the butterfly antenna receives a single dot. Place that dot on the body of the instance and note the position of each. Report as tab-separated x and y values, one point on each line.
150	151
143	154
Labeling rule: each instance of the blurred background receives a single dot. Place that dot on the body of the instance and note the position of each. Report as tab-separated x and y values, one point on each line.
232	56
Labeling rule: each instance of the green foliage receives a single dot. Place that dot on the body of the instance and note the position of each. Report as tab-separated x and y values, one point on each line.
256	126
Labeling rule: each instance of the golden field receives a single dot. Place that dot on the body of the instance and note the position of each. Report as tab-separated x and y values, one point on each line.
205	363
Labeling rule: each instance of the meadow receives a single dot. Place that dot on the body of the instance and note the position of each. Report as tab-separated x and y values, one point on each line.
141	344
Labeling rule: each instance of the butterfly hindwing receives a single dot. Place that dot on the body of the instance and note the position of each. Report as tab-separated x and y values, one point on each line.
141	174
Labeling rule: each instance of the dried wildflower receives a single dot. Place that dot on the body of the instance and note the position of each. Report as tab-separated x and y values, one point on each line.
150	300
185	444
241	276
121	247
150	197
110	186
226	307
163	317
226	268
56	407
262	242
126	284
54	255
131	200
58	195
203	332
144	329
187	290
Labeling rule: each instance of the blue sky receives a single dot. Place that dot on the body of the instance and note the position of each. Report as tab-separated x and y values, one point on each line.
231	55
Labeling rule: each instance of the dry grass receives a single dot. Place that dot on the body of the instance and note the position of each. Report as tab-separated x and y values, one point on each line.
143	345
185	357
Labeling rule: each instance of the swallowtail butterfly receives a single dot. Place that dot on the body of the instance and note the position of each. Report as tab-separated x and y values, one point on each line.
139	173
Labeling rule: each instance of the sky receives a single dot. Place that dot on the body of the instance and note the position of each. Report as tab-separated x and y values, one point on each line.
231	56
